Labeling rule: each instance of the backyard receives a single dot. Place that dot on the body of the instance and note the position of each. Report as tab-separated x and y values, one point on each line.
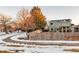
10	43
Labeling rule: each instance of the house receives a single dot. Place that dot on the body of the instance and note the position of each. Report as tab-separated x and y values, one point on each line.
61	25
75	28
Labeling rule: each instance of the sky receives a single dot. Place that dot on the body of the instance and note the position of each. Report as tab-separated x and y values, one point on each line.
50	12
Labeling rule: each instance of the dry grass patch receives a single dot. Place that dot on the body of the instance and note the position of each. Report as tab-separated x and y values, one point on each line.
72	38
72	50
15	45
4	51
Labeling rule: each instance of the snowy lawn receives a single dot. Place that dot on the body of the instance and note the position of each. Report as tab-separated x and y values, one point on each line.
2	33
5	47
22	35
34	48
8	35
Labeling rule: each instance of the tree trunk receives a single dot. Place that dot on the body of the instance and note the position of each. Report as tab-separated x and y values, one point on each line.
27	35
5	29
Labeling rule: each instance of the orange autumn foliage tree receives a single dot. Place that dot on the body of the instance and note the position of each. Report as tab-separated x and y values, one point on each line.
40	20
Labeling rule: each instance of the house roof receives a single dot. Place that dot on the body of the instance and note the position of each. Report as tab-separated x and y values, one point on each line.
59	20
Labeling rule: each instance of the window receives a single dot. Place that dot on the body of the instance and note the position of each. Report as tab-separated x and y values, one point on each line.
51	29
51	23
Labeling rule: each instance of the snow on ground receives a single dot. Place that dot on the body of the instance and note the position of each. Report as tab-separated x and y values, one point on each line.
33	48
11	48
3	47
8	35
2	33
51	41
16	38
44	49
49	49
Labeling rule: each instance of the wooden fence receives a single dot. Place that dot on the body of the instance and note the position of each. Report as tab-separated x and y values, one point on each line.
51	35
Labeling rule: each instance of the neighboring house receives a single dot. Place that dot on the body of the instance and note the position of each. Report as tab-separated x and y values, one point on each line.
62	25
75	28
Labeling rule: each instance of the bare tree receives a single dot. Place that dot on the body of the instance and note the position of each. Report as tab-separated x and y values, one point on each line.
25	19
12	26
4	20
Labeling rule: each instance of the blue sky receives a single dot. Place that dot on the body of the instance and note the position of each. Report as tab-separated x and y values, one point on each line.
51	12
